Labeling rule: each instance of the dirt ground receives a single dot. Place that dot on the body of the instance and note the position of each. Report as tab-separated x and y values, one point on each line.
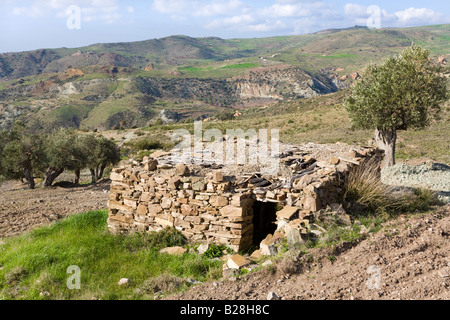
22	209
408	259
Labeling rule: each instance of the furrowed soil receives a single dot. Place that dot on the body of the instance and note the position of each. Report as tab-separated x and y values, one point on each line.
408	259
22	209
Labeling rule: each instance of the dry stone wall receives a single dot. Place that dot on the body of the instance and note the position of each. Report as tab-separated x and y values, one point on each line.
217	208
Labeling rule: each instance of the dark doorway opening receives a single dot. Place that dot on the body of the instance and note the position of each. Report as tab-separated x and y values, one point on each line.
264	218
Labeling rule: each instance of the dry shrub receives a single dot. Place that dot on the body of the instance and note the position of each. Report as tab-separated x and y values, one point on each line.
15	275
164	283
288	267
365	191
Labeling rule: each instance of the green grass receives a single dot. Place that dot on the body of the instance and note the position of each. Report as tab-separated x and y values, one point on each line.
66	114
338	56
37	261
241	66
196	69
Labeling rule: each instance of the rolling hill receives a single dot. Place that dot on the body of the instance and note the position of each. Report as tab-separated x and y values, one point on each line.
104	86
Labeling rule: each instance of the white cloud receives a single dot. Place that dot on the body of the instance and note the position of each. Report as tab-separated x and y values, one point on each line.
209	8
408	17
220	8
170	6
289	16
232	22
282	15
414	16
267	26
354	9
286	10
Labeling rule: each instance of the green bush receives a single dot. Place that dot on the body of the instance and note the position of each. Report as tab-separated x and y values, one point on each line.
169	237
215	251
148	143
420	200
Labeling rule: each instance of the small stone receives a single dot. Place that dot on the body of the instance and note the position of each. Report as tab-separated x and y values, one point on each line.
229	273
237	261
267	263
166	203
218	201
151	165
188	210
302	182
273	296
256	254
124	282
252	267
311	203
364	231
181	170
334	161
294	236
203	248
217	176
193	281
43	294
165	166
268	250
316	233
232	211
198	185
444	273
287	212
160	180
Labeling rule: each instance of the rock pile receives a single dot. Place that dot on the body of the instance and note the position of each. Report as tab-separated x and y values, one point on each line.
430	175
217	208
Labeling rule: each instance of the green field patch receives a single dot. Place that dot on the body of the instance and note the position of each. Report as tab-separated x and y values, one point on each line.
337	56
241	66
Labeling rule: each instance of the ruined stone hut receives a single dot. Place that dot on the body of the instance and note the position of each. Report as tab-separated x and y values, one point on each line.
232	205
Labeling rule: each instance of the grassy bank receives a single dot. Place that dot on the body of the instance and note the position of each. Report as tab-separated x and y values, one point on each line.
36	263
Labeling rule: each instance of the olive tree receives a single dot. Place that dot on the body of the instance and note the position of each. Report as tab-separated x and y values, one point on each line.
103	152
21	155
64	151
403	92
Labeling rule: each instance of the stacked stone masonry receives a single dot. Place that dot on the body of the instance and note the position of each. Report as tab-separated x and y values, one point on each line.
218	208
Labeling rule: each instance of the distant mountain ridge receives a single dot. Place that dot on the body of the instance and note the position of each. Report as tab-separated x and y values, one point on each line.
179	49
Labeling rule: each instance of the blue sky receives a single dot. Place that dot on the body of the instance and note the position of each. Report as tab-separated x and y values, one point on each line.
34	24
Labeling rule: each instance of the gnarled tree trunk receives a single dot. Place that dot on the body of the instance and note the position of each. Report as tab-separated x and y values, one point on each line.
385	140
102	171
93	176
50	175
29	177
77	176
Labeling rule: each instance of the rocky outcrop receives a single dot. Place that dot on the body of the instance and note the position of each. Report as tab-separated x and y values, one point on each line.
82	87
8	113
280	83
